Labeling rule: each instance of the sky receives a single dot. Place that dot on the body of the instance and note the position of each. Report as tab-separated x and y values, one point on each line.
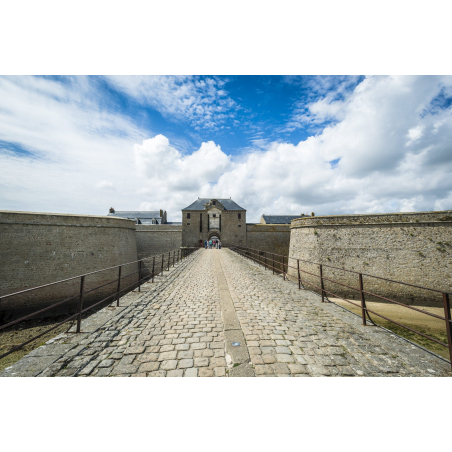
274	144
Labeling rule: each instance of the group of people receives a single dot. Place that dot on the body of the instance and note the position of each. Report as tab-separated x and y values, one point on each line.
209	244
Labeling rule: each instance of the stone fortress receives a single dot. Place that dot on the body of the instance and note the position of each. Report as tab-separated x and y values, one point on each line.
40	248
206	218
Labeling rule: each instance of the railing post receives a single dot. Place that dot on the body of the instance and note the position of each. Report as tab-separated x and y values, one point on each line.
265	260
80	303
163	257
363	299
153	268
139	276
119	286
169	258
321	283
283	269
174	254
273	263
298	271
447	316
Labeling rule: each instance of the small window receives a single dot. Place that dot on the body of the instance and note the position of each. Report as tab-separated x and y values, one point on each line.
240	216
188	216
240	225
214	215
188	224
214	203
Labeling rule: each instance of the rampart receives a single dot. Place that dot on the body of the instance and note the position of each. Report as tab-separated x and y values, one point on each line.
40	248
157	239
415	248
272	238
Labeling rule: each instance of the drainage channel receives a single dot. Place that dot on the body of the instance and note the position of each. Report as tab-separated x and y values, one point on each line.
237	355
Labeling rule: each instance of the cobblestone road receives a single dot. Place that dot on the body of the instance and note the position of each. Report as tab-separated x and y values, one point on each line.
184	325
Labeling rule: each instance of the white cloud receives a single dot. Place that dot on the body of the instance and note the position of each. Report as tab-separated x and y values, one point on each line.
377	172
76	147
200	102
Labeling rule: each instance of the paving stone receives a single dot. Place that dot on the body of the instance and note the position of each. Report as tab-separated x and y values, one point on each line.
184	363
201	362
149	366
157	373
134	350
167	356
175	327
280	358
106	363
193	372
175	373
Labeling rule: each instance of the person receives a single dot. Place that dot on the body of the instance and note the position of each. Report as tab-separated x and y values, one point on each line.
219	244
205	244
210	243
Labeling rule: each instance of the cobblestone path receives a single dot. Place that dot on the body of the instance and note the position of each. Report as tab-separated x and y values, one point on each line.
184	324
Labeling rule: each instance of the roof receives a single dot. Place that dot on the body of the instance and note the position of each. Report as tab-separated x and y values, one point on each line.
279	219
136	214
228	204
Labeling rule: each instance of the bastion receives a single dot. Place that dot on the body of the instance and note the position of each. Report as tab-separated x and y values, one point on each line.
40	248
415	248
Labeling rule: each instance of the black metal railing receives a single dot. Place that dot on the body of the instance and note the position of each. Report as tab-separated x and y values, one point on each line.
280	265
148	269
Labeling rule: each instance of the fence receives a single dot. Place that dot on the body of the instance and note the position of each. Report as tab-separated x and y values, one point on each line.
147	269
281	265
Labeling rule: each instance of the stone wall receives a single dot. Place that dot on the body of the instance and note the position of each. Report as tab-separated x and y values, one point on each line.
40	248
157	239
273	238
415	248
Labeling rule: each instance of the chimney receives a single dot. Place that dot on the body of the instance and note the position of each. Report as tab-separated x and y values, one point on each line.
112	210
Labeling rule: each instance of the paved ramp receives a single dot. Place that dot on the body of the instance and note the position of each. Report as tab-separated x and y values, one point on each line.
185	325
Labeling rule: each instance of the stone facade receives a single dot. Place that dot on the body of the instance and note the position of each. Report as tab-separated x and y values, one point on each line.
415	248
273	238
41	248
206	218
157	239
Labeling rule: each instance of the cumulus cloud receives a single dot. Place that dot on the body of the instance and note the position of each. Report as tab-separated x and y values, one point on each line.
391	157
384	145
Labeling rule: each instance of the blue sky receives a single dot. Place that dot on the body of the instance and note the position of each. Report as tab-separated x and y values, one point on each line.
275	144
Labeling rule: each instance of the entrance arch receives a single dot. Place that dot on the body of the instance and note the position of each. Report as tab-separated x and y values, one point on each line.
214	236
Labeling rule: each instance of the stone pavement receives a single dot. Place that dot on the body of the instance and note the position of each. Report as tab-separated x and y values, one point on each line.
184	324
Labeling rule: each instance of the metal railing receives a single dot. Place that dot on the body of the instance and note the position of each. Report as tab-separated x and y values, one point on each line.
280	265
157	265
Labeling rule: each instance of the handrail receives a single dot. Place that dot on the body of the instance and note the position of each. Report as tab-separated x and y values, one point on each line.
176	256
283	267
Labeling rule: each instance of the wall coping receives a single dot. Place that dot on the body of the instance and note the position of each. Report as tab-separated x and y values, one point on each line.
399	218
63	219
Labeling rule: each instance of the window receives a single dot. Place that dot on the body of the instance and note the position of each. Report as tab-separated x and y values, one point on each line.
214	203
240	225
188	216
188	224
240	216
200	222
214	215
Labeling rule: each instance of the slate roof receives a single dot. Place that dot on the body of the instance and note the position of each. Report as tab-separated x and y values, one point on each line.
145	217
228	204
279	219
135	214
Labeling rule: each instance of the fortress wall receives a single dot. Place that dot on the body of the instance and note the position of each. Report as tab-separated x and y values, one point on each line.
273	238
40	248
157	239
415	248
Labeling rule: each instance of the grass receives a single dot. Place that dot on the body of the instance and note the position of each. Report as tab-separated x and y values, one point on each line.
430	326
24	331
